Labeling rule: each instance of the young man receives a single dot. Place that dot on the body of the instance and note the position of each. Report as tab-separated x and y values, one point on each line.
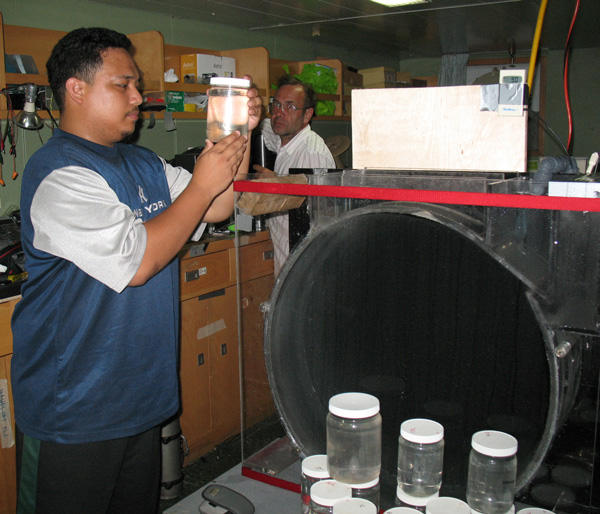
94	370
288	133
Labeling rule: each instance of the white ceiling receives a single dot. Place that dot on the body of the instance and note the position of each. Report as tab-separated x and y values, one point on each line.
437	28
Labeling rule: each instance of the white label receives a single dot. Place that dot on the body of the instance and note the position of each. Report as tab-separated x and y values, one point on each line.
6	432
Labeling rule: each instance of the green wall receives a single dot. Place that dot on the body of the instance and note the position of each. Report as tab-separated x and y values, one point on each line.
69	14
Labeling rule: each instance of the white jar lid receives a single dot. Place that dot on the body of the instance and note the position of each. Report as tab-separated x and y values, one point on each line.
366	485
510	511
315	466
494	443
447	505
354	405
422	431
401	510
354	506
231	82
327	492
415	501
532	510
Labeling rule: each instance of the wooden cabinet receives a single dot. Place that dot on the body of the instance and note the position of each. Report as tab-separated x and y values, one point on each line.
211	334
154	58
8	478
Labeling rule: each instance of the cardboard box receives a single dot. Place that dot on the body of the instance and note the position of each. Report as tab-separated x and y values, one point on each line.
378	75
403	77
199	68
174	101
378	85
353	79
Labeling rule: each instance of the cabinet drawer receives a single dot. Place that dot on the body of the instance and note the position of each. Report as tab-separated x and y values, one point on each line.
256	260
201	275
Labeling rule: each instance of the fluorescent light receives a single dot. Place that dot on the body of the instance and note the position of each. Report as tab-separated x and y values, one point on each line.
396	3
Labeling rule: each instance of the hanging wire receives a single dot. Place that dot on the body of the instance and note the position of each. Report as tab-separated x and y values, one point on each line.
566	77
549	130
536	44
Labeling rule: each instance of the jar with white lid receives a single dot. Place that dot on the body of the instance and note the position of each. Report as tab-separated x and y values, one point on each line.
420	461
227	109
314	469
354	506
324	494
354	438
447	505
402	510
532	510
492	472
368	491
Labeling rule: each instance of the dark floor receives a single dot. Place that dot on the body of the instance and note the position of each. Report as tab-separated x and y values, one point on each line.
225	456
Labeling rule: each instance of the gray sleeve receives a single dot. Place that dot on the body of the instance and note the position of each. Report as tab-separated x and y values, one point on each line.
178	179
78	217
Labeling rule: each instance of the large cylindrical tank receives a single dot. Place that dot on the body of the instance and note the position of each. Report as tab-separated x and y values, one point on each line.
409	304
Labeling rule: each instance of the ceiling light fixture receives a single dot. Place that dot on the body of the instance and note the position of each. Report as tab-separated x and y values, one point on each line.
396	3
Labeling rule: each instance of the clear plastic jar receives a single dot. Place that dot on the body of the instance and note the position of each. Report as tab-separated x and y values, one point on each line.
354	506
324	494
402	510
492	472
314	469
447	505
420	461
354	438
227	109
369	491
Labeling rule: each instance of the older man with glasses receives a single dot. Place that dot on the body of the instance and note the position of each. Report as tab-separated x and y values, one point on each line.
289	135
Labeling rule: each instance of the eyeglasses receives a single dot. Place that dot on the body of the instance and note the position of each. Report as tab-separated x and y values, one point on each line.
288	109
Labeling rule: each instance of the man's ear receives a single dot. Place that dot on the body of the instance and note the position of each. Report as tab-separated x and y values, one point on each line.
308	114
74	88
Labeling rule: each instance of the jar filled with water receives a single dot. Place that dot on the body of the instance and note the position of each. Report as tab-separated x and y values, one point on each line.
420	461
492	472
227	109
354	438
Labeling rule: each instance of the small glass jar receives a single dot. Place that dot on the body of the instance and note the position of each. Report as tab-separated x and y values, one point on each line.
369	491
324	494
420	461
447	505
354	438
227	109
314	469
402	510
354	506
492	472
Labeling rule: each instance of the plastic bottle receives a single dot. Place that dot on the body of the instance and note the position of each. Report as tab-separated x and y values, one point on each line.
420	461
324	494
227	109
492	472
447	505
354	506
354	438
314	469
368	491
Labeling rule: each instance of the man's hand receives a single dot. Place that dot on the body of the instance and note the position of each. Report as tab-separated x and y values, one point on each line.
254	106
262	172
218	163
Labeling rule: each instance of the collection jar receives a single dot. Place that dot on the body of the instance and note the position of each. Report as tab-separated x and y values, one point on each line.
227	109
354	506
324	494
420	461
492	472
370	491
402	510
447	505
314	469
354	438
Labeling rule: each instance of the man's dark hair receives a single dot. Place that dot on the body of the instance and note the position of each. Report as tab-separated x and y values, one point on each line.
310	97
79	55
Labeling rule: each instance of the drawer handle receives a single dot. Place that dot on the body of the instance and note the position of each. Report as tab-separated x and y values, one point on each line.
195	275
200	359
268	255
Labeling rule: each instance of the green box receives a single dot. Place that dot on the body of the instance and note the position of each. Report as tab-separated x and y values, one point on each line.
174	101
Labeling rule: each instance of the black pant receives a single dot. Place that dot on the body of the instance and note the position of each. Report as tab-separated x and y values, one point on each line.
119	476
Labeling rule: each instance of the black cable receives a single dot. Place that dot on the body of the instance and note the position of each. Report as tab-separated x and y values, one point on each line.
550	131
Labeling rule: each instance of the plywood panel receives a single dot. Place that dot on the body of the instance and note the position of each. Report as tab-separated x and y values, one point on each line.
438	128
